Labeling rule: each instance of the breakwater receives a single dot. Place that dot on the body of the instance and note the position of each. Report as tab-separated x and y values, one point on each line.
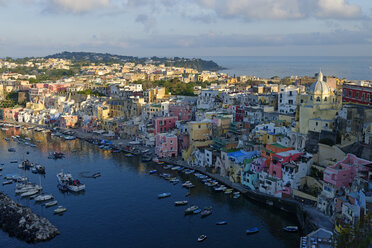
19	221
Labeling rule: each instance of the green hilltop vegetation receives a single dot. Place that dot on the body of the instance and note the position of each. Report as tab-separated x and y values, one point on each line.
106	58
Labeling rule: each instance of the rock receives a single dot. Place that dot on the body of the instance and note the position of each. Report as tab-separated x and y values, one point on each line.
21	222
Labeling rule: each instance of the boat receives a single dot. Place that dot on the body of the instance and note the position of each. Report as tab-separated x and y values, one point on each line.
208	208
28	188
180	203
38	169
188	194
128	155
196	211
220	223
175	168
72	184
1	168
11	149
236	196
188	184
164	195
44	198
7	182
7	139
30	193
13	161
202	238
69	137
60	210
167	167
56	155
153	171
52	203
146	159
97	174
205	213
252	230
291	228
62	187
191	209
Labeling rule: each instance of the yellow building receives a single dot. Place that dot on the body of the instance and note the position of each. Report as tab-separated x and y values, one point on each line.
103	112
318	108
200	135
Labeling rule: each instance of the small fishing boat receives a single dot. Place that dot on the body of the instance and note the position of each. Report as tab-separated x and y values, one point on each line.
208	208
167	167
146	159
220	223
44	198
52	203
175	168
97	174
72	184
188	194
291	228
202	238
252	230
164	195
13	161
7	182
191	209
38	169
128	155
196	211
205	213
60	210
152	171
180	203
11	149
236	196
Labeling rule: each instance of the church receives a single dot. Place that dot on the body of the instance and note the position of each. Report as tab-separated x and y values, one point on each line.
318	108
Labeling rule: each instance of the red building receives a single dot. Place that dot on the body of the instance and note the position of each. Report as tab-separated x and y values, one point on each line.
239	113
163	124
360	94
279	159
184	113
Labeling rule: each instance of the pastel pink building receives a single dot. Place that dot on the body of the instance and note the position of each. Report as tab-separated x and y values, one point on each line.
57	87
68	121
166	145
281	158
343	173
11	113
184	113
164	124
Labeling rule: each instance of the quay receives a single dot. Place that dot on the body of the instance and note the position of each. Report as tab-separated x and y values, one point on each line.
307	216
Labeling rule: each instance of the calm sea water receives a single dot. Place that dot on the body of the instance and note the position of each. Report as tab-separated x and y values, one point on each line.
121	209
353	68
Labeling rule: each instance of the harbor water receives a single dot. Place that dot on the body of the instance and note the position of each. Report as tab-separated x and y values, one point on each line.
121	208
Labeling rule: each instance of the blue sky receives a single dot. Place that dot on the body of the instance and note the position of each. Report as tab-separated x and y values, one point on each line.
187	27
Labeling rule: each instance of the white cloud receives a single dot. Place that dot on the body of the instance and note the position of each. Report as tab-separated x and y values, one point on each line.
337	9
78	6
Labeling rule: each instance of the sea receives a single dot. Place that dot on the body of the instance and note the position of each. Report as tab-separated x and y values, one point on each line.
351	68
121	208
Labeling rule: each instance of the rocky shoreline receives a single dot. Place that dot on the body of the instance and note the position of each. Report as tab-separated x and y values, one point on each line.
20	222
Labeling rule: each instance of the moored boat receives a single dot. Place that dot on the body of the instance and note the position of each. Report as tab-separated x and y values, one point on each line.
152	171
60	210
164	195
72	184
191	209
196	211
44	198
291	228
11	149
202	238
205	213
7	182
30	193
51	203
220	223
180	203
252	230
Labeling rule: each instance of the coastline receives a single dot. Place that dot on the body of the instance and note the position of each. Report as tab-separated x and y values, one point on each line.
308	217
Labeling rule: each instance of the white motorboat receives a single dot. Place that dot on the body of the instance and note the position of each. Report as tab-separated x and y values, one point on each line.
30	193
180	203
44	198
52	203
202	238
60	210
7	182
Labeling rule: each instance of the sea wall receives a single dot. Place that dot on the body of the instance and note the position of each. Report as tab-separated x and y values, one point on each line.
20	222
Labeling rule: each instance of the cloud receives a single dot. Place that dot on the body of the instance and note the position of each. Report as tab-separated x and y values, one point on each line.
282	9
337	9
148	21
78	6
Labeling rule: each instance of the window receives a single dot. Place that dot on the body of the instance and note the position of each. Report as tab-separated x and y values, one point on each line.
357	95
363	96
326	125
318	99
290	93
350	93
325	99
368	97
316	123
199	126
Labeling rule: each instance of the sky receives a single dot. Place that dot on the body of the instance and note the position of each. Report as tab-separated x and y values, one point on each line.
187	27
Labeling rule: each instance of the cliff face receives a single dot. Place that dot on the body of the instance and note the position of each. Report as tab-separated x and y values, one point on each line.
20	222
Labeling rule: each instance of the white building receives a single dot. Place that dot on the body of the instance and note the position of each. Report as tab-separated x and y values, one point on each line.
287	99
207	99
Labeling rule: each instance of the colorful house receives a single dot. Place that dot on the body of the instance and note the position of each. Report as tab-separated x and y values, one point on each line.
184	113
164	124
166	145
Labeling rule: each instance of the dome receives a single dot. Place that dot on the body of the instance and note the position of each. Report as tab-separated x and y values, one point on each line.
320	87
